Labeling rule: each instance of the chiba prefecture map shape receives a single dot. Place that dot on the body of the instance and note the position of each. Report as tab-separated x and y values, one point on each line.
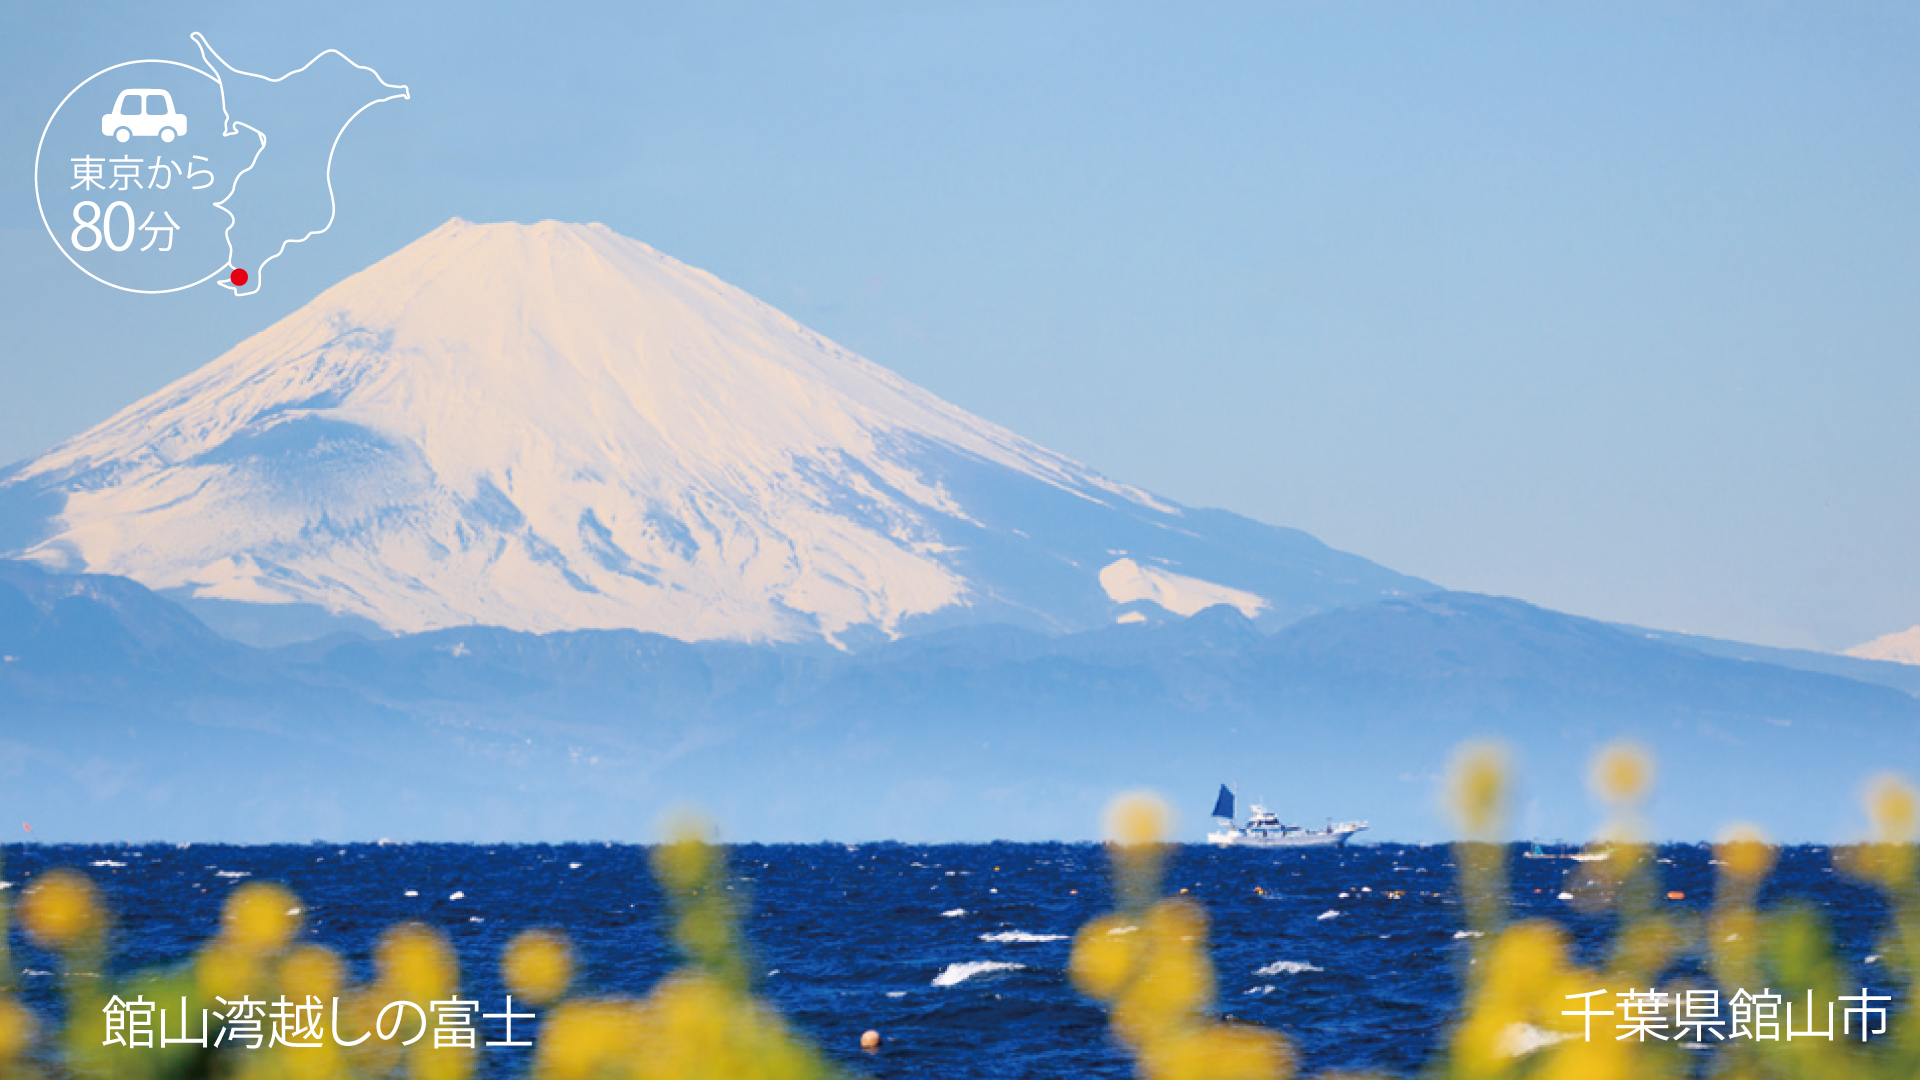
251	183
286	195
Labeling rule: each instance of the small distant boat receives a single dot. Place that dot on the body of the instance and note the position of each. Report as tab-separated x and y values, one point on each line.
1538	852
1263	828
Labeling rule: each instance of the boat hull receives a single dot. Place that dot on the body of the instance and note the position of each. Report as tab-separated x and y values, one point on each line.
1302	839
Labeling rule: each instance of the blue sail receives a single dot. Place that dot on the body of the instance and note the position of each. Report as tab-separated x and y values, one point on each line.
1223	806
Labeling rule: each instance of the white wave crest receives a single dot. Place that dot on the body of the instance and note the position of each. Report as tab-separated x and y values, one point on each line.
1021	936
955	974
1329	914
1287	967
954	913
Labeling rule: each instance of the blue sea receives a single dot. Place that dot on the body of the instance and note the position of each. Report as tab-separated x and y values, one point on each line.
956	954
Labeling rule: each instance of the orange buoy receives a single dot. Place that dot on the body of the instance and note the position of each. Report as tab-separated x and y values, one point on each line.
870	1040
1676	895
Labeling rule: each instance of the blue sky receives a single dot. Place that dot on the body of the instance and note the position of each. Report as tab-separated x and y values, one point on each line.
1608	307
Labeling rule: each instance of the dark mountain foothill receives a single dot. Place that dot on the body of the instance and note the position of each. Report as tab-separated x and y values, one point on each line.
121	710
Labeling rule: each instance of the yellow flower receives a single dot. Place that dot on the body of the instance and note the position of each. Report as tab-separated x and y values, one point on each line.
1137	818
61	909
1174	980
1477	788
1104	954
587	1039
1519	981
16	1029
537	966
415	963
1887	858
686	861
312	969
1149	962
1137	823
1744	854
260	916
1894	808
694	1027
1219	1052
1622	773
226	970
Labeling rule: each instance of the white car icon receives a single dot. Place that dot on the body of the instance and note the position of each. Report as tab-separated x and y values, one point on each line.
143	112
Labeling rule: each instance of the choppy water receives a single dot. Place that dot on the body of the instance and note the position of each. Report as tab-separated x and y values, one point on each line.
957	954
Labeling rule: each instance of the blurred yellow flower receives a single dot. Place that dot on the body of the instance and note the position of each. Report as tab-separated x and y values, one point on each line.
312	969
589	1039
1888	856
1149	963
537	966
1894	809
416	963
1103	955
260	916
1173	980
1137	818
1744	853
1622	773
1477	788
61	909
226	970
16	1030
686	861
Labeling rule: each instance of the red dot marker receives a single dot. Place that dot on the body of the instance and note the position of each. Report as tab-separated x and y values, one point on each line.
238	277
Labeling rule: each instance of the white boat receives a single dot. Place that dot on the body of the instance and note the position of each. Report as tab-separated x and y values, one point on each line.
1537	852
1264	829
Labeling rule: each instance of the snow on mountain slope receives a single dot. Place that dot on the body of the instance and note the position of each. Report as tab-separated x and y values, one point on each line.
1126	581
551	426
1900	648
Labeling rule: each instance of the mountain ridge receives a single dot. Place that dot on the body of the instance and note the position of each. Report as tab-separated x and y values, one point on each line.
550	427
130	718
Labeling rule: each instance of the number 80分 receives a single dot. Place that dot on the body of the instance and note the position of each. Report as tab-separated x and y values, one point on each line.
101	229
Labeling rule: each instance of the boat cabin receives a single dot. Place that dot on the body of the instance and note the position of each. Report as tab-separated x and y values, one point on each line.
1261	819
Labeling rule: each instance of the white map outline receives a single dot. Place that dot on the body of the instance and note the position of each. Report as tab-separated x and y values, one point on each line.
215	62
42	206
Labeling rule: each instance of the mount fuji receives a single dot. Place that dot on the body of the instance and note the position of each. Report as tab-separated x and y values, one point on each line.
551	427
602	521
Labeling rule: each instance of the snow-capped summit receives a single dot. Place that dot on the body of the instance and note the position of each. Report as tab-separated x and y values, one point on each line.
552	427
